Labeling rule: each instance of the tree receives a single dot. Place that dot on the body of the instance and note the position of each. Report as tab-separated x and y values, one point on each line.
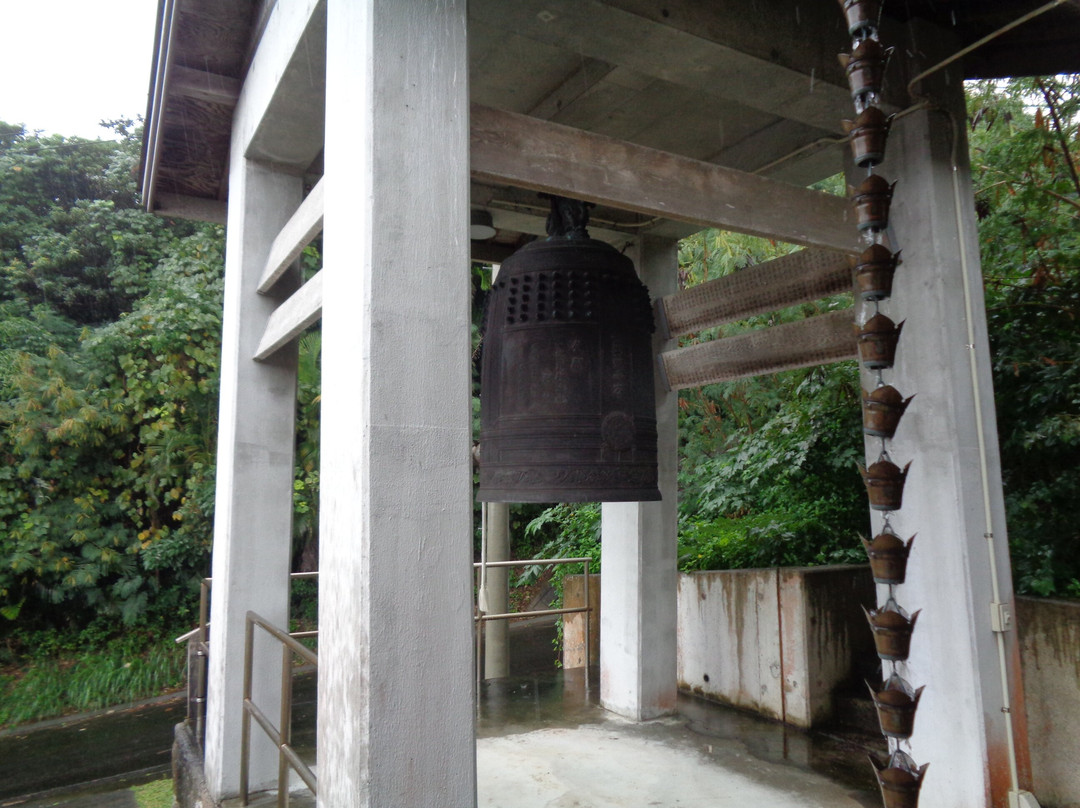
108	397
1025	140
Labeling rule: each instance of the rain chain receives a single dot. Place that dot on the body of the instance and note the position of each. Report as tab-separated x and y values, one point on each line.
899	777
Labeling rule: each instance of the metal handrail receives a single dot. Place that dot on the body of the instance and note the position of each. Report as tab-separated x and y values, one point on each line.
480	618
282	734
198	655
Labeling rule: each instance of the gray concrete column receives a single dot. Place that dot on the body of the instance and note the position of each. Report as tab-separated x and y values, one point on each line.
396	681
497	591
253	505
639	553
953	496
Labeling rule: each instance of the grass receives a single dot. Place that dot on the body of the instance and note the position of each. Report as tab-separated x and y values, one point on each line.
52	686
158	794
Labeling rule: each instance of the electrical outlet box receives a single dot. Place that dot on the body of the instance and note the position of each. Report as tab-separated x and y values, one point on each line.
1000	617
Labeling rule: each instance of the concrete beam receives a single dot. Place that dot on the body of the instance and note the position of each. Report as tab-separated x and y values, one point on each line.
600	169
181	206
295	315
279	113
297	233
800	277
204	86
804	343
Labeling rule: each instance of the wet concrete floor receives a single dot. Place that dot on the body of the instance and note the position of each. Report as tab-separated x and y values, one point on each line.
531	727
545	740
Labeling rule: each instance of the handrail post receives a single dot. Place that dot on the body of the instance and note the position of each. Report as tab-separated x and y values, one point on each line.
588	621
481	618
284	726
245	725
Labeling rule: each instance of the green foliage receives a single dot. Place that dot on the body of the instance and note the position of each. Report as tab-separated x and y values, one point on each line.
1025	139
783	488
157	794
53	687
108	389
108	489
71	235
767	464
567	531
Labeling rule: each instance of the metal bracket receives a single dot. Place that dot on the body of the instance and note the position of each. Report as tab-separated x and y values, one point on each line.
1000	617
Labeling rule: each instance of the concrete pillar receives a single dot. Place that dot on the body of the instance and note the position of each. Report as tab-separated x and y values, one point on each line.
253	505
639	553
396	682
961	728
497	591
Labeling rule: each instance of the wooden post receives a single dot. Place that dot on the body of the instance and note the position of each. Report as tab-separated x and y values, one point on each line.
396	710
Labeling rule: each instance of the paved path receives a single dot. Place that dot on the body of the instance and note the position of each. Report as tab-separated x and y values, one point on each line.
56	754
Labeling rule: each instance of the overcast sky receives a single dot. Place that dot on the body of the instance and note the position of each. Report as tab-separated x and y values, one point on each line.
68	64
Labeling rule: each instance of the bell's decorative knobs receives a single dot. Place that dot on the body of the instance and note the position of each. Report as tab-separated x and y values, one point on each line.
567	410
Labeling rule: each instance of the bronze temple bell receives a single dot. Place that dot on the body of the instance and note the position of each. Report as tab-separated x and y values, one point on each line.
567	405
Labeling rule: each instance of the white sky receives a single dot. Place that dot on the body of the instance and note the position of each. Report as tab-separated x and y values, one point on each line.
70	63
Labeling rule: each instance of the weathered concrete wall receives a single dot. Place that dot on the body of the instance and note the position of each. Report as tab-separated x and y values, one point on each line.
729	638
188	776
1049	633
774	641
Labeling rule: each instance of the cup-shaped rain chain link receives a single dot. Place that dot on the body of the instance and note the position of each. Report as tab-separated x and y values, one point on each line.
884	482
896	704
899	779
865	68
878	338
888	557
882	411
867	135
892	629
872	199
861	16
874	271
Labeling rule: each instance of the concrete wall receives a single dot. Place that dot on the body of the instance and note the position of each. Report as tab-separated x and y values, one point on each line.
1049	633
777	641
